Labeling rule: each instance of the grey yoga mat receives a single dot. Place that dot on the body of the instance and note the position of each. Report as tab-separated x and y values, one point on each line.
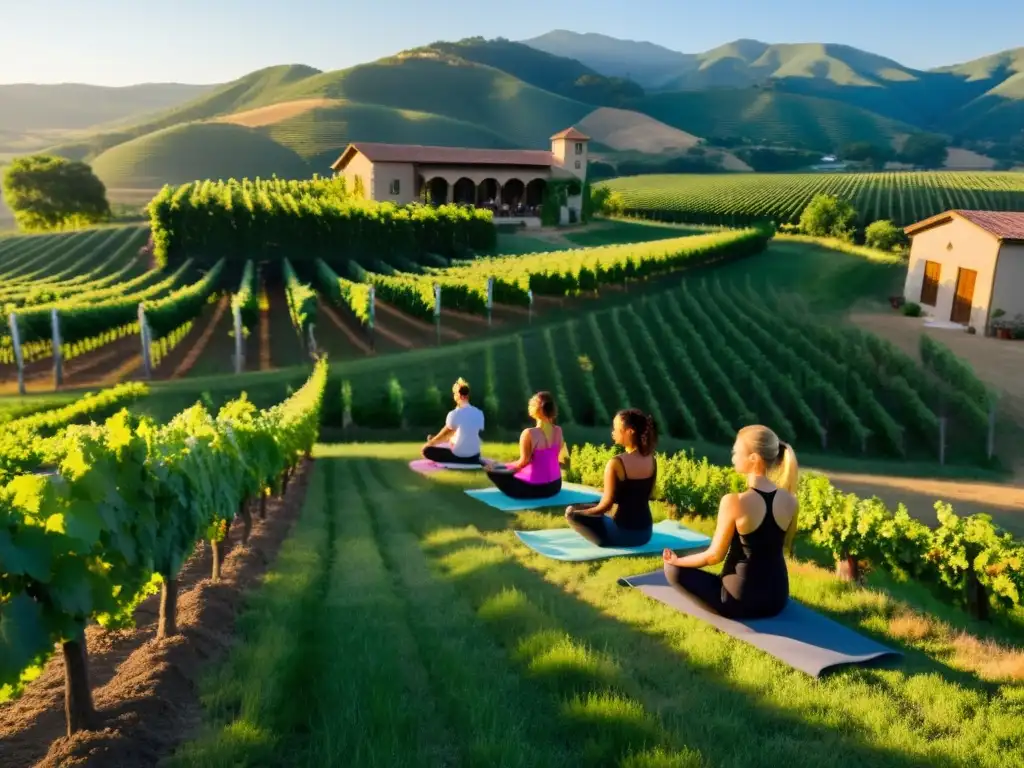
800	637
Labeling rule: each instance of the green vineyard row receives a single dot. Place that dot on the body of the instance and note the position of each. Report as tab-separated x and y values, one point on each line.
741	199
122	509
704	373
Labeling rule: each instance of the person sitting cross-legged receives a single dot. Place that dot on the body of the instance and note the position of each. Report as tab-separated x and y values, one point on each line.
754	530
629	481
459	441
538	473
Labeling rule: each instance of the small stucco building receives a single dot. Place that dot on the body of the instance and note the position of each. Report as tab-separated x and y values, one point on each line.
511	182
964	265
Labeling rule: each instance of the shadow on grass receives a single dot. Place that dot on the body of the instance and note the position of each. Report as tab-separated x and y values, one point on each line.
604	668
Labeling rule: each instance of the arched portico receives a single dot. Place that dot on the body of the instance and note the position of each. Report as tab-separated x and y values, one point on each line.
464	191
513	192
437	190
488	192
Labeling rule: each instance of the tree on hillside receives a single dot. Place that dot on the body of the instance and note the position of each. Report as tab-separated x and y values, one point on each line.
829	216
924	150
884	235
47	193
865	152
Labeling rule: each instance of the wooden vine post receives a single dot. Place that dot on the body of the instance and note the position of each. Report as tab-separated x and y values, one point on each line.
437	312
79	712
12	321
168	619
58	357
147	363
372	316
236	312
490	299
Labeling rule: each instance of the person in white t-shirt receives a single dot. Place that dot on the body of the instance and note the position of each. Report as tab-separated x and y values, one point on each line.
459	441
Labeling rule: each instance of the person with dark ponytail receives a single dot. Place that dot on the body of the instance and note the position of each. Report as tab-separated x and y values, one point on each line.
537	474
629	481
755	529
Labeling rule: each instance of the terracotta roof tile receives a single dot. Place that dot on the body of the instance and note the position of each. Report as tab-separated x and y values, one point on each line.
1006	225
571	133
417	153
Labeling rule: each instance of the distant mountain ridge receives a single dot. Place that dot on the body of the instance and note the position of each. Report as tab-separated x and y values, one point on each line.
638	100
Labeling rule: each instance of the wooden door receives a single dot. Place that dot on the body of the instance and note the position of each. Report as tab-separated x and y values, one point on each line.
930	286
963	300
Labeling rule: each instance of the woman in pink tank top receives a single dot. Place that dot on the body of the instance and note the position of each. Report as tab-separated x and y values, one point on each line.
538	473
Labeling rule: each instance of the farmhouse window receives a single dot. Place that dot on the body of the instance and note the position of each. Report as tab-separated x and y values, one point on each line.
577	164
394	187
579	147
930	287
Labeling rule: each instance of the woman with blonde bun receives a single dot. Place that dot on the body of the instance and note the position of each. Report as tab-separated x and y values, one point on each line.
754	530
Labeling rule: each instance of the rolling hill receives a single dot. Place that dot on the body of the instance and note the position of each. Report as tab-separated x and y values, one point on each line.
981	99
635	99
187	152
771	117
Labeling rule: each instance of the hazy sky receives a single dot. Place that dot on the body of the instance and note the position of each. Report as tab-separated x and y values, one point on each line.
117	42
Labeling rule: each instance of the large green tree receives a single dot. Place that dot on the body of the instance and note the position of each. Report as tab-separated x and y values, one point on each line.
829	216
924	150
47	193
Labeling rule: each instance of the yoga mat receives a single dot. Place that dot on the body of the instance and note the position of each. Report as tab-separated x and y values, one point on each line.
426	465
799	636
570	494
567	544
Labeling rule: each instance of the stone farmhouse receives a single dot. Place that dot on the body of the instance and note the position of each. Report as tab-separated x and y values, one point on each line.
510	182
966	265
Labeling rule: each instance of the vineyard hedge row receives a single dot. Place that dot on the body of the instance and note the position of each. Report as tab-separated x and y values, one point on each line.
305	220
122	510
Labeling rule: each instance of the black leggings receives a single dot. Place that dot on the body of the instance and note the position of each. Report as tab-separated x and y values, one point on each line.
445	456
514	488
716	593
604	532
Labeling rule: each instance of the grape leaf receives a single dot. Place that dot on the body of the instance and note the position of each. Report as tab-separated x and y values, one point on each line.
27	552
23	636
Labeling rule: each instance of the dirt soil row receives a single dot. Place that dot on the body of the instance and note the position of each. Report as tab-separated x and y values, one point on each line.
145	692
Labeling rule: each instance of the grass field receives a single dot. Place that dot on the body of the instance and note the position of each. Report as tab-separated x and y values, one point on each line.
422	632
902	197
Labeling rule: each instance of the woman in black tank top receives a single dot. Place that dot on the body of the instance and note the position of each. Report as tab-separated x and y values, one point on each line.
631	526
754	582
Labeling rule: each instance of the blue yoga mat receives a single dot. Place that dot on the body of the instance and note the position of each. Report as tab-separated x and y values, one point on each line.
570	494
802	638
566	544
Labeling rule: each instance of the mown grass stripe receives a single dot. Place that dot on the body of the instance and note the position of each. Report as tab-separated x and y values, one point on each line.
498	717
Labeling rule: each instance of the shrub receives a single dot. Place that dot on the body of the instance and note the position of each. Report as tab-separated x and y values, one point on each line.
884	236
829	216
911	309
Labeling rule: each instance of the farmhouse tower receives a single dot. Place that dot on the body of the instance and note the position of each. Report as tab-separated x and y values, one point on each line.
569	152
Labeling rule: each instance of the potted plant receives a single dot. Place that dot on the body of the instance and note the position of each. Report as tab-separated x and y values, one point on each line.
1008	328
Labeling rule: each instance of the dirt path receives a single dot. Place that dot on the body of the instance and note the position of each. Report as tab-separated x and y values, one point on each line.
146	695
1005	503
396	315
350	335
196	349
